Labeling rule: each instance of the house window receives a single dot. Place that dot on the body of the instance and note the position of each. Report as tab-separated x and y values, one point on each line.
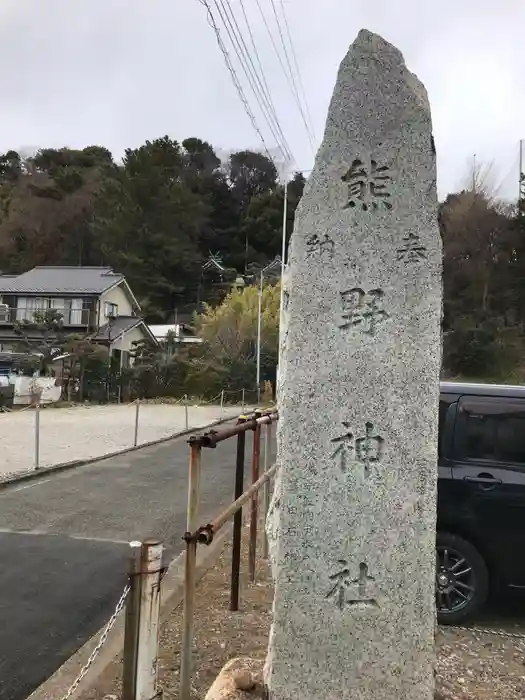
69	309
110	309
27	306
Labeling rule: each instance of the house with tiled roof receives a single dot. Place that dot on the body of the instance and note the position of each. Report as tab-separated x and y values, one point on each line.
92	301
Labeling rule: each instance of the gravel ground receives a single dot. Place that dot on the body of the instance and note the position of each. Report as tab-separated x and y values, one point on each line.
470	666
83	432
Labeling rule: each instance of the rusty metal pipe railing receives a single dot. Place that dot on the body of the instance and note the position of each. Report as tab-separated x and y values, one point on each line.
192	519
213	437
237	520
252	549
206	533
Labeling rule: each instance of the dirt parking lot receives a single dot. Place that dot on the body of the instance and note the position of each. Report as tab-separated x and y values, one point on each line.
83	432
471	665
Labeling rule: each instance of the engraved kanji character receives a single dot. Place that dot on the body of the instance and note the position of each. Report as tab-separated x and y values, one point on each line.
324	245
411	250
345	445
362	309
367	188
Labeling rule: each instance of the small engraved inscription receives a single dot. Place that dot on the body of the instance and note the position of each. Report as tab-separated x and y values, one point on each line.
367	187
286	299
412	250
367	449
362	309
342	580
324	246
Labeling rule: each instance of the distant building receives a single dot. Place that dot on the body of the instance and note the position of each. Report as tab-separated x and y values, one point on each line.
92	301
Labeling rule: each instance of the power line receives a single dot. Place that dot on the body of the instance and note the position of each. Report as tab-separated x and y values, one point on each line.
233	74
240	48
295	91
258	59
294	56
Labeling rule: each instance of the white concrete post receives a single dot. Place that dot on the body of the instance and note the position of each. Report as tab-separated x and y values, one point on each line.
142	622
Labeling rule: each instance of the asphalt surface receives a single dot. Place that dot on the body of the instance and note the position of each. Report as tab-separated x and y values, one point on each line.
64	548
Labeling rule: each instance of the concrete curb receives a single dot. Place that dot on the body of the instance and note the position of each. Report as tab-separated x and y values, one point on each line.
59	683
64	466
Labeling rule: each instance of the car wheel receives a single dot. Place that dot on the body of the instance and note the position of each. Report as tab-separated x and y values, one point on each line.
462	579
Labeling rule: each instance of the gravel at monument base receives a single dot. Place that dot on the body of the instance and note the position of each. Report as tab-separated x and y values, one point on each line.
469	666
83	432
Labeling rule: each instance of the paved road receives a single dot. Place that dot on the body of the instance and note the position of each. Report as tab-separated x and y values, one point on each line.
64	548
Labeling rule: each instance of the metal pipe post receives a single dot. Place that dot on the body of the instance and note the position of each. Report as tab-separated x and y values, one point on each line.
252	551
222	402
266	491
141	639
243	400
186	417
192	522
259	328
136	436
37	435
237	519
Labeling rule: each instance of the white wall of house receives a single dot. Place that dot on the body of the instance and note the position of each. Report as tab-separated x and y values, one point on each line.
119	296
125	342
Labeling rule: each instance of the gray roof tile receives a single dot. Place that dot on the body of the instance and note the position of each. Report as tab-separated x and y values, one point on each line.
60	280
120	325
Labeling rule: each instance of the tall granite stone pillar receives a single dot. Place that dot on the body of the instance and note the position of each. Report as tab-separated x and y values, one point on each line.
352	523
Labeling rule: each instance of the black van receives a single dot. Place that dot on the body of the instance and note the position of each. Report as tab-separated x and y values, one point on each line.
481	496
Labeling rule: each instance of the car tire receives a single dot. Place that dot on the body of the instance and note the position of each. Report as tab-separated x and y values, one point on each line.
454	555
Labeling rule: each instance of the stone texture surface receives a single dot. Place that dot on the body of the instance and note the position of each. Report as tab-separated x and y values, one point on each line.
240	678
352	521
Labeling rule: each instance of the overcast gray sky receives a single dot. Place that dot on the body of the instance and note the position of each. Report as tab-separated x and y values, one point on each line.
118	72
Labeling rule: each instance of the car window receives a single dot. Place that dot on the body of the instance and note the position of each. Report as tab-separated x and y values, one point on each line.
492	429
443	408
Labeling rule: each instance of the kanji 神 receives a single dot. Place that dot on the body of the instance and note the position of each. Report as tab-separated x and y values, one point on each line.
366	449
362	310
324	245
411	250
367	187
345	445
342	581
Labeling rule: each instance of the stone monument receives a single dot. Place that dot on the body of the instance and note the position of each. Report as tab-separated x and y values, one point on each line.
352	522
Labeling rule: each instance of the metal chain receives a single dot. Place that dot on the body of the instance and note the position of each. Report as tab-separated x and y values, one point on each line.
100	643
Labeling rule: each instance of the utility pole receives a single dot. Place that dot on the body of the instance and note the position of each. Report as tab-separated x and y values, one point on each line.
521	182
283	264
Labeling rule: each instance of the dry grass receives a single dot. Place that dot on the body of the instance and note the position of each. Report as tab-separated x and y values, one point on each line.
470	666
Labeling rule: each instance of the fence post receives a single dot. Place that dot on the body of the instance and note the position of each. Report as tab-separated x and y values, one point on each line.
252	551
266	492
237	519
37	435
186	419
192	522
242	400
137	409
222	402
141	638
